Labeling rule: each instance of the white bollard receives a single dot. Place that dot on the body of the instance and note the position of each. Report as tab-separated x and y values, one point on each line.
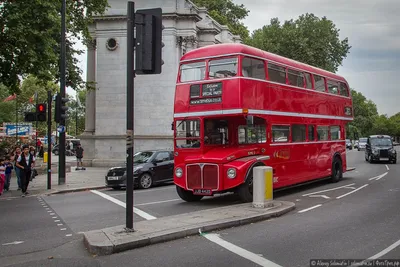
262	187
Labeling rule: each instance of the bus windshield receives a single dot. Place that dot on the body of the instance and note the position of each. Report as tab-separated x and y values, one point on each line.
187	133
215	132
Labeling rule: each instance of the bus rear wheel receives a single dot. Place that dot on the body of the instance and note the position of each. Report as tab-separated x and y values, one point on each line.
187	195
337	170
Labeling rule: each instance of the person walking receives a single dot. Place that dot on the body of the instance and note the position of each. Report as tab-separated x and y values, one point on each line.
25	162
2	175
8	172
79	156
17	152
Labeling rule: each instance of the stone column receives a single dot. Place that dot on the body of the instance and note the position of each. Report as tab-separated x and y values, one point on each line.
90	113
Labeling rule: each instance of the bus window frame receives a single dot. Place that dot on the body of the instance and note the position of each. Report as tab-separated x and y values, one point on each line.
242	57
279	65
239	67
191	62
188	138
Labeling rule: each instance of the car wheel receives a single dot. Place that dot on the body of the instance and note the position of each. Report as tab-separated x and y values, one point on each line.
394	161
187	195
337	170
145	181
370	159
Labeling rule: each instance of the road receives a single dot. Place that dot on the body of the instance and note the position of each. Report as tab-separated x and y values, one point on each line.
356	218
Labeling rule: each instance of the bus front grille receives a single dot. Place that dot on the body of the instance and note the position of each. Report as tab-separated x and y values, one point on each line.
202	175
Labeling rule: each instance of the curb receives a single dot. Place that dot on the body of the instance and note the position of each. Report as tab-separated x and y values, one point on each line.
97	242
73	190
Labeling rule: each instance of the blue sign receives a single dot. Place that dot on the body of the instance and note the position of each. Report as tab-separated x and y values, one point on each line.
61	128
23	129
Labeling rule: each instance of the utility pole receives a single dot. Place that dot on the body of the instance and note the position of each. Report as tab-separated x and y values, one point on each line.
61	146
129	115
49	100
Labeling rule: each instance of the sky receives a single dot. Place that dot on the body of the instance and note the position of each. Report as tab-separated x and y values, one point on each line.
373	30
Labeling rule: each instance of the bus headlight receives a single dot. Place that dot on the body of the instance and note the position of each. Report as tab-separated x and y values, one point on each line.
231	173
178	172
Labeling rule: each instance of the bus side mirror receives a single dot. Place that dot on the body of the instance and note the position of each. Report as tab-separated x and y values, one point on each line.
172	126
250	120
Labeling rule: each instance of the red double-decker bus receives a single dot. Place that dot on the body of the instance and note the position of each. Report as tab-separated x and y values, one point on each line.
237	107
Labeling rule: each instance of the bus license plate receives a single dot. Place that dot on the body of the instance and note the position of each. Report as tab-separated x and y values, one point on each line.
202	192
384	158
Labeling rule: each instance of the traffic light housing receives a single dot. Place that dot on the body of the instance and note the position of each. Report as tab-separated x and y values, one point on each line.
30	116
148	41
60	112
41	112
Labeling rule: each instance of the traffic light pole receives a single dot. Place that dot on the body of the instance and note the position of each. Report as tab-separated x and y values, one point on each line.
129	116
61	144
49	100
36	129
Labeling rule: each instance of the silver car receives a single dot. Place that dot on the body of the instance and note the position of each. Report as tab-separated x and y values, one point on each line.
362	142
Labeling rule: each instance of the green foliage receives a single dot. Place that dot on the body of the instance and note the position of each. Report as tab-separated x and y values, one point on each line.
76	114
30	39
308	39
227	13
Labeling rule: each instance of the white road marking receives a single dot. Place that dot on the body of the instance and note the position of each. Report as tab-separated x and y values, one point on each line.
323	196
59	224
240	251
68	235
331	189
351	192
378	177
52	214
385	251
49	211
56	220
145	190
311	208
63	229
139	212
349	187
158	202
387	167
13	243
55	217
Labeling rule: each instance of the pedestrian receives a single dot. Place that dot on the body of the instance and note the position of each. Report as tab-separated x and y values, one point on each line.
2	175
79	155
25	162
8	171
17	152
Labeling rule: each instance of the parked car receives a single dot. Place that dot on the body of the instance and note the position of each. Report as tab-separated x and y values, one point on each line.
356	144
380	148
362	143
349	145
149	168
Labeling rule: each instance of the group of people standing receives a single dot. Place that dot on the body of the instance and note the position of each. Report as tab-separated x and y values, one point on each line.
22	161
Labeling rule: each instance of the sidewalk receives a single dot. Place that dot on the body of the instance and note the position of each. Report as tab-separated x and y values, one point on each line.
117	239
91	178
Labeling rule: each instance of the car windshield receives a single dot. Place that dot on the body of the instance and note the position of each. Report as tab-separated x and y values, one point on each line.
142	157
381	142
363	140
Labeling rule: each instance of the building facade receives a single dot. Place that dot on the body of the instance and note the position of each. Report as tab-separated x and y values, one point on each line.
186	27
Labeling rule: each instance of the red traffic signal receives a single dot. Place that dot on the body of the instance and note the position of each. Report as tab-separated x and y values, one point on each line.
41	112
41	108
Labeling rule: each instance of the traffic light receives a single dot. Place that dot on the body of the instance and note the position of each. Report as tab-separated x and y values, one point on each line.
148	41
41	112
60	112
30	116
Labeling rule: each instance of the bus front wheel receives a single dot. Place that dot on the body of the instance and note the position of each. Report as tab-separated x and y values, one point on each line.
187	195
245	190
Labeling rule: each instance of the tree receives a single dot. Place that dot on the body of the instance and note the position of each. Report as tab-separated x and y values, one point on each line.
76	114
30	39
227	13
308	39
365	113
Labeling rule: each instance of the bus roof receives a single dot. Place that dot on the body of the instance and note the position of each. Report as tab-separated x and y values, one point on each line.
231	48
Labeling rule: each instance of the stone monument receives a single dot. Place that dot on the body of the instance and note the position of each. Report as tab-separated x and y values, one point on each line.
186	27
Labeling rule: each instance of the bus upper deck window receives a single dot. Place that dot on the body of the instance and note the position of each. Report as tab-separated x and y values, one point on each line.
223	68
193	71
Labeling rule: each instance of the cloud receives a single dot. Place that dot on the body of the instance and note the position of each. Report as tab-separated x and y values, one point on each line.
372	66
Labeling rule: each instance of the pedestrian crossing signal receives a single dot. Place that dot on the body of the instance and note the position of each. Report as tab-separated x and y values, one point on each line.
41	112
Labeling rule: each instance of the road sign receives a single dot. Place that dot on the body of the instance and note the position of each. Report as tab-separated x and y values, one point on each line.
61	128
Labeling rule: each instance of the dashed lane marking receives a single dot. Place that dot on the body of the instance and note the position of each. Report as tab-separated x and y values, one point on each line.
378	177
260	260
139	212
327	190
387	167
311	208
351	192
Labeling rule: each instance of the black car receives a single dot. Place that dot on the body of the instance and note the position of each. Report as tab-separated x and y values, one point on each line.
349	145
149	168
380	148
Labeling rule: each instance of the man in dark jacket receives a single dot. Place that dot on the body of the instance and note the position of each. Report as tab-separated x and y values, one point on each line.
25	162
79	156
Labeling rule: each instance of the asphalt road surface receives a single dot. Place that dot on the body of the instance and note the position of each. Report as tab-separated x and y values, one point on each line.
357	218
